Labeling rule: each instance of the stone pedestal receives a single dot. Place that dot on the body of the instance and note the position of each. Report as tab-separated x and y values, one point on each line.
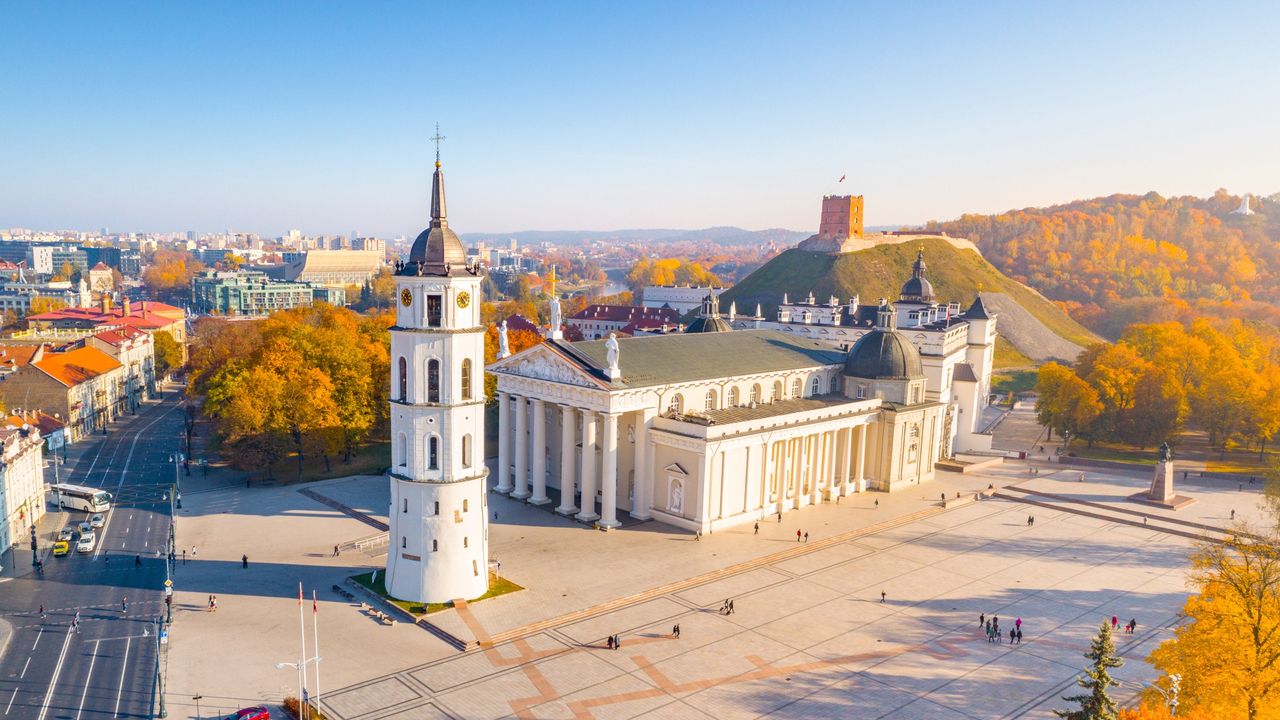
1161	493
1162	483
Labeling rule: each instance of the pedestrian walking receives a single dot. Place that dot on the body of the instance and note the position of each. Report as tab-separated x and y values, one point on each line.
1013	635
43	616
798	534
1033	521
944	497
335	551
1019	636
877	503
1144	519
1028	521
806	537
982	619
731	610
193	551
1115	621
995	621
184	557
617	642
1233	514
757	529
124	605
215	603
698	536
779	516
610	642
882	595
1017	624
244	562
675	631
1133	625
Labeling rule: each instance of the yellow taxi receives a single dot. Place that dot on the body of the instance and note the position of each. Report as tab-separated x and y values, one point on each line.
60	548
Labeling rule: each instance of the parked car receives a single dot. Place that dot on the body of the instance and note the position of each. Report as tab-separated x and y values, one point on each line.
87	543
97	520
67	533
60	548
252	713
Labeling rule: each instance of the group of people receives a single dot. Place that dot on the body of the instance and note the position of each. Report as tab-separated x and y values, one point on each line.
725	609
615	641
213	603
800	535
1129	627
992	628
1031	520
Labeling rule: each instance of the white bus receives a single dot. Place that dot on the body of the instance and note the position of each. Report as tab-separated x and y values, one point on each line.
79	497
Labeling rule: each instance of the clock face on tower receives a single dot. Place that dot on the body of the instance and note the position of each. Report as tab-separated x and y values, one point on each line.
464	299
406	297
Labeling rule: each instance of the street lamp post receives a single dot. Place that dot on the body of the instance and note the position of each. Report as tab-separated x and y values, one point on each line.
302	691
198	697
159	677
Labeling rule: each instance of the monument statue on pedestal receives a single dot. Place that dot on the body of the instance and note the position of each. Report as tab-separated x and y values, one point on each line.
1162	483
1162	493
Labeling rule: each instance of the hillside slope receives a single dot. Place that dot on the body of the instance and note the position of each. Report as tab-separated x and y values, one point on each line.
878	272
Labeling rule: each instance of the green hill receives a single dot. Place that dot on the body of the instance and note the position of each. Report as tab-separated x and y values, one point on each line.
956	274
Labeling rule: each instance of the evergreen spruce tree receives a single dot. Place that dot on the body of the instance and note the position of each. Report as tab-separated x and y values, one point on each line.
1095	703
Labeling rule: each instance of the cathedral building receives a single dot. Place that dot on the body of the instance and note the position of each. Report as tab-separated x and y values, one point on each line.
717	427
956	346
439	533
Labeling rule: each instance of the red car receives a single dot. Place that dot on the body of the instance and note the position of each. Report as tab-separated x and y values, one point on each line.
253	713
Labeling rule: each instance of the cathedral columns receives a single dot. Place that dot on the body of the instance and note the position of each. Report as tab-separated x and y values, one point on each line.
643	460
609	473
539	452
521	490
847	471
504	443
588	511
859	476
833	463
568	463
764	474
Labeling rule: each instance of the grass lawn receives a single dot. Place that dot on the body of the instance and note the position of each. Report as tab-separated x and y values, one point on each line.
1013	381
371	459
497	586
1008	356
1116	453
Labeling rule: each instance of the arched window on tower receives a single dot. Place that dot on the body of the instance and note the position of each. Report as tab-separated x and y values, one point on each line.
733	397
404	380
433	453
466	379
402	450
466	451
709	402
433	380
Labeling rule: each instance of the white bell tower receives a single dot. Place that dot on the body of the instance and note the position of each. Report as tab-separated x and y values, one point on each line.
438	546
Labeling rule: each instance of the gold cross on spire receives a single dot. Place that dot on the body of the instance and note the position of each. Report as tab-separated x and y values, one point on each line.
437	138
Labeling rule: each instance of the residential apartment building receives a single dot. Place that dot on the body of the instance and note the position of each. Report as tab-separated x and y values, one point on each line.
253	294
21	481
82	384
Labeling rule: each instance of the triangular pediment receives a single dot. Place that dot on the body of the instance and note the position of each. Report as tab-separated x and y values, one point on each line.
541	362
676	469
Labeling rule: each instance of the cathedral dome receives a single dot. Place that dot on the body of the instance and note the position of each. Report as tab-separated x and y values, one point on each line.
709	320
884	354
709	324
918	288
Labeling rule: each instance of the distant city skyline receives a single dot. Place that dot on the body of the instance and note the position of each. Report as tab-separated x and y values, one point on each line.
156	118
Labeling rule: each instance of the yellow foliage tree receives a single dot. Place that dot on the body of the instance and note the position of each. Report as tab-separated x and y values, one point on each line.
1228	653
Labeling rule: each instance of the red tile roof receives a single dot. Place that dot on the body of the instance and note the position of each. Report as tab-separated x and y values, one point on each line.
626	313
76	366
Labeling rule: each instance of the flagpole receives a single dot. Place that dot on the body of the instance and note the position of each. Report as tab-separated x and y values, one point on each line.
315	645
302	659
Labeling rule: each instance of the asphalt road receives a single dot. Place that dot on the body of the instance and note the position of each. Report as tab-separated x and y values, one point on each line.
107	669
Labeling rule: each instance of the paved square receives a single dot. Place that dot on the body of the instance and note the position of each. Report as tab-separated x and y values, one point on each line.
810	636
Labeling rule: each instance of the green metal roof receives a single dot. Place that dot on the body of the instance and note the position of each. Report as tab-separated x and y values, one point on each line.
679	358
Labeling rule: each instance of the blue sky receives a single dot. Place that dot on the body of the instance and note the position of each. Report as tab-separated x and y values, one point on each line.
267	116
